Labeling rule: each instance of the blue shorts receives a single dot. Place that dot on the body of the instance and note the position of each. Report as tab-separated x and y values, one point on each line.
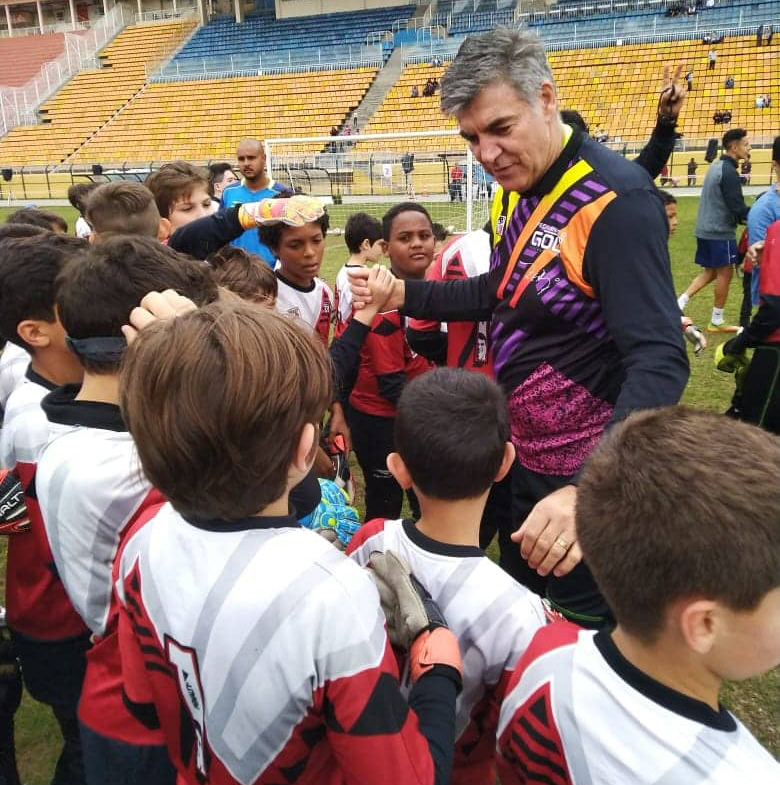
715	253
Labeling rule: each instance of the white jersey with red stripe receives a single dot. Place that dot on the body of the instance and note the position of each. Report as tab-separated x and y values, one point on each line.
37	604
578	713
312	305
343	295
13	363
91	490
493	617
263	652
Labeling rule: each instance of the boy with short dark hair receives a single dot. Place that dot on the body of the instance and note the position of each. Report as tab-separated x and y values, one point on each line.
89	487
48	635
363	238
387	363
122	207
694	583
181	192
452	471
42	218
259	647
299	251
244	274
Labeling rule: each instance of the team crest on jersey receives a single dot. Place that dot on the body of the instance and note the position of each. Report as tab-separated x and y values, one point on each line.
295	311
500	224
546	237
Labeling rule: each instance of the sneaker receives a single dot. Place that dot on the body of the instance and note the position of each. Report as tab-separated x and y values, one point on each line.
722	328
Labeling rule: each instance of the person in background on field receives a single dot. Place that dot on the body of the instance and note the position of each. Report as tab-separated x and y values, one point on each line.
257	184
721	209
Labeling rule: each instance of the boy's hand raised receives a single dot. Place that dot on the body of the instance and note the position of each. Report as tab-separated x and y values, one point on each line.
367	291
382	285
154	306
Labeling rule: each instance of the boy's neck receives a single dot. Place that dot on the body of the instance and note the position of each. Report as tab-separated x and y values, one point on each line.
672	665
356	260
451	522
297	280
280	508
403	276
56	369
99	388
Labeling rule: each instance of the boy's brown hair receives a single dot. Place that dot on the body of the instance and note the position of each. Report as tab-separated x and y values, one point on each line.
216	401
657	525
97	290
244	274
79	193
123	207
173	182
32	216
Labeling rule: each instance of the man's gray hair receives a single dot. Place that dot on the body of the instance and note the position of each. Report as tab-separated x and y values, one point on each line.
502	55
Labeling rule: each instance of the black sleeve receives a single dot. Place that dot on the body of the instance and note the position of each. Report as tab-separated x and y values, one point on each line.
731	189
306	495
432	699
391	385
431	344
345	356
656	152
627	263
206	235
469	300
762	325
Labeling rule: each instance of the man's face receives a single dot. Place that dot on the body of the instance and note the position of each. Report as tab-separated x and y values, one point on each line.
515	141
741	148
197	204
251	160
671	215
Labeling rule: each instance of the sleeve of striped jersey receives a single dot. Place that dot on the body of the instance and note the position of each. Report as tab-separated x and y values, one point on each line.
368	538
136	689
378	740
425	325
345	356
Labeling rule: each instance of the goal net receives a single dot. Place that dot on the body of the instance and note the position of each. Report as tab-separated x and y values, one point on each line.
371	172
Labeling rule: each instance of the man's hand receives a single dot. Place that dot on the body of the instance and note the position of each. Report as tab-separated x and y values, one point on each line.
672	96
156	305
414	621
754	253
548	537
365	289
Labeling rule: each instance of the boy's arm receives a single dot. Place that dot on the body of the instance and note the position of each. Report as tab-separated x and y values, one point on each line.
731	190
206	235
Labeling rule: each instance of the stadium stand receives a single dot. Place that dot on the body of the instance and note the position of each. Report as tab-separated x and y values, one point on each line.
23	57
205	119
266	35
92	97
627	80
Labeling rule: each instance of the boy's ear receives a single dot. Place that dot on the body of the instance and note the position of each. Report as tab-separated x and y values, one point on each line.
699	623
365	246
164	230
35	333
506	462
303	457
397	467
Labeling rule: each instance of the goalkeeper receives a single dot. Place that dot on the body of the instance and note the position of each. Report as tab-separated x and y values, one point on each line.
757	398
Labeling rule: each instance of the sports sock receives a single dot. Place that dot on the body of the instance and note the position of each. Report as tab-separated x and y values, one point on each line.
717	316
682	301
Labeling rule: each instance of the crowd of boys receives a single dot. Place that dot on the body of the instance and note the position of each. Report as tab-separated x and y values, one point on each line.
170	400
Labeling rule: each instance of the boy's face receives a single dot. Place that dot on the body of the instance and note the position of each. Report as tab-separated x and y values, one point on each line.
373	252
197	204
749	643
227	179
671	215
411	244
300	253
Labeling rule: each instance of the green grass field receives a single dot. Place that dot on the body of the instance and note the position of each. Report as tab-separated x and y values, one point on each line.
756	702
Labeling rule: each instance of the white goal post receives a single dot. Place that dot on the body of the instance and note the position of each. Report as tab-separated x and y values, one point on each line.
371	172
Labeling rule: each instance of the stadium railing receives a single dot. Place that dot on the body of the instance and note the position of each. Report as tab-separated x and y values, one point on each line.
167	15
18	104
320	59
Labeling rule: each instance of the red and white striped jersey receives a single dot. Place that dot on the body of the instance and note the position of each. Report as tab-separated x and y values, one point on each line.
91	490
313	306
13	363
263	651
493	617
578	713
37	605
